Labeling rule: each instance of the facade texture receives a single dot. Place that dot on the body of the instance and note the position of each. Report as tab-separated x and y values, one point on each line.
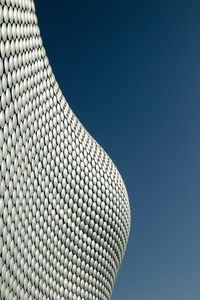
64	209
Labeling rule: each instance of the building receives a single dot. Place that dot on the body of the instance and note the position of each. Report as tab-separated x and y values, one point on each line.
64	209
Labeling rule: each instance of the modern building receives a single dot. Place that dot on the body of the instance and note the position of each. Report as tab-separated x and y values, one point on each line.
64	209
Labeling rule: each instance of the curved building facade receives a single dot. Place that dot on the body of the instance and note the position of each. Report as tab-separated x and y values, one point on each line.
64	209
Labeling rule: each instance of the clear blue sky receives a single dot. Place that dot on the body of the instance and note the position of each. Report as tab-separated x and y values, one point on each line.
131	73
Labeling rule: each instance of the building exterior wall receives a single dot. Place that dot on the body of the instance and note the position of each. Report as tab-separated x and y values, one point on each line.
64	209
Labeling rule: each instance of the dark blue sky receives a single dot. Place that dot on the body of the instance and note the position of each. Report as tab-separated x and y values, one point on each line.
131	73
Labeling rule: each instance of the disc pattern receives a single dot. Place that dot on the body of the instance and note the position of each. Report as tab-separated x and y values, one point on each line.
64	209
